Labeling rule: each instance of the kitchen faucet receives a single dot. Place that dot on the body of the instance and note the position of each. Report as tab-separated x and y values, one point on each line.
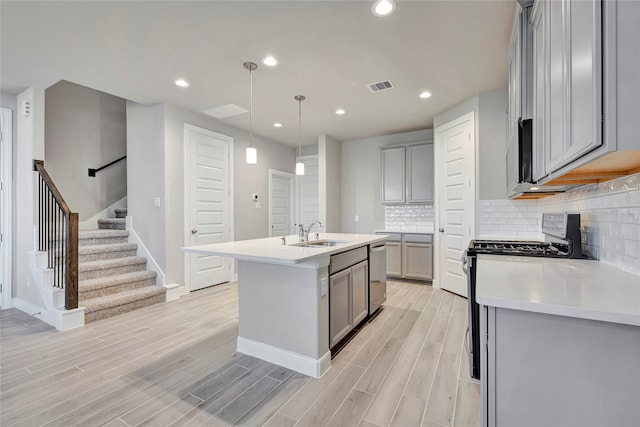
306	234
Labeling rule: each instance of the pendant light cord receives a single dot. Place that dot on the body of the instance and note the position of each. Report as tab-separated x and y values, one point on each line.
299	128
250	107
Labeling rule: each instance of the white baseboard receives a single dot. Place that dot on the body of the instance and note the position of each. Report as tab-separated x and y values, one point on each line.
143	251
297	362
174	291
92	223
60	319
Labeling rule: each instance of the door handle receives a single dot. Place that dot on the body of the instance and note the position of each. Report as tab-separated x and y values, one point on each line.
441	229
194	230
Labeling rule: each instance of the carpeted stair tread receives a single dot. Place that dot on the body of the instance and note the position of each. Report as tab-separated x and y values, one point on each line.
120	213
121	298
108	247
101	234
118	279
104	264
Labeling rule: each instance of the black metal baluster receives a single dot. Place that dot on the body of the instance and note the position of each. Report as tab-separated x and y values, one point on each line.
63	256
56	210
48	236
39	212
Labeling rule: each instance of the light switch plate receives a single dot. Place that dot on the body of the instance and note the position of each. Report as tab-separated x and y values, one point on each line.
156	202
257	205
356	218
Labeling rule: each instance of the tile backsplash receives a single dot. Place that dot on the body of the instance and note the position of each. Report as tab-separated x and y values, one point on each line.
409	217
610	217
509	219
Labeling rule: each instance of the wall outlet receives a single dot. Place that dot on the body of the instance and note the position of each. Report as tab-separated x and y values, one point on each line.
324	286
156	202
356	218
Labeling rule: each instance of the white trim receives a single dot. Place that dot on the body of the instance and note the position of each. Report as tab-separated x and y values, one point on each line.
185	224
61	319
304	364
174	291
152	264
7	203
291	177
92	222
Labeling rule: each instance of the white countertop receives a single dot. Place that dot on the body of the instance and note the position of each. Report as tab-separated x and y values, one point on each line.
426	231
271	250
585	289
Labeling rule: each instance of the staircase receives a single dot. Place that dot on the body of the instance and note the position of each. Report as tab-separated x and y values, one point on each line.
112	279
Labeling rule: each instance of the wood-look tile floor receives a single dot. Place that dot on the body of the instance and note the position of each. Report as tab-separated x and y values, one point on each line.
175	364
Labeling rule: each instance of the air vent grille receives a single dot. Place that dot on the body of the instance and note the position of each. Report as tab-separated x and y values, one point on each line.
380	86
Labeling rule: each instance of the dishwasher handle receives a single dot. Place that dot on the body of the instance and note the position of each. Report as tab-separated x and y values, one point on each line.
379	248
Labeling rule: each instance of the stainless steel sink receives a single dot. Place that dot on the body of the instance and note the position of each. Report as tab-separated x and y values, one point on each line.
319	243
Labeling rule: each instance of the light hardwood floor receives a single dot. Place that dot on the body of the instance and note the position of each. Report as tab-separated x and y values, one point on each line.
175	364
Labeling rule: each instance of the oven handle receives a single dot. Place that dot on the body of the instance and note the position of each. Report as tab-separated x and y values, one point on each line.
465	264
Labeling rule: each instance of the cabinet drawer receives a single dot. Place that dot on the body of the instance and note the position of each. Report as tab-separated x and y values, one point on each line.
347	259
418	238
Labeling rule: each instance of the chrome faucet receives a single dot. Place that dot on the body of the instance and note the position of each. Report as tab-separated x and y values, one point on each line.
301	233
306	234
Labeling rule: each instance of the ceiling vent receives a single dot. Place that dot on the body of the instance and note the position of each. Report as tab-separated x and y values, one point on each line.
224	111
380	86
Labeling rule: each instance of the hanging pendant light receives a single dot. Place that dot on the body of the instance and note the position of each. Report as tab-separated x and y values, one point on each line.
252	153
299	164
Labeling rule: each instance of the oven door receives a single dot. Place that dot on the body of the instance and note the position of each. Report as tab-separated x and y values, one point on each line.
472	343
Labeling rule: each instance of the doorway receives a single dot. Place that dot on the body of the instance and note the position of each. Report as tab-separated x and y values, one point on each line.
281	191
208	204
456	199
6	141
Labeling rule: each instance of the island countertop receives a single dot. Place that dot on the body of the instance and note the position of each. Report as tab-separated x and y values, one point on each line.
271	250
586	289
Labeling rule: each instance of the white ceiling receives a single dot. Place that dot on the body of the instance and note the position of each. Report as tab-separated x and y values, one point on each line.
328	51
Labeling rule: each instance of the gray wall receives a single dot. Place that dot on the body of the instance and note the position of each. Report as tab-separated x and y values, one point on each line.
85	128
361	179
146	175
157	132
330	183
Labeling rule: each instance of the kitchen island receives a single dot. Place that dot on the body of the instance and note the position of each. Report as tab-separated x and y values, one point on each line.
283	296
560	340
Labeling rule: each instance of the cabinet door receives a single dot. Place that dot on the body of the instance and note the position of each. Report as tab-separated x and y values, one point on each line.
584	65
394	259
514	82
539	90
420	173
417	261
554	145
339	306
359	292
393	175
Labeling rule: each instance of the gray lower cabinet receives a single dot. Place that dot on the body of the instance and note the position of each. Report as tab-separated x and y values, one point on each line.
348	295
417	261
410	256
550	370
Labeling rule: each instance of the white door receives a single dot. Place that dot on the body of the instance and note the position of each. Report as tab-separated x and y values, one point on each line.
209	204
309	192
455	144
5	207
280	202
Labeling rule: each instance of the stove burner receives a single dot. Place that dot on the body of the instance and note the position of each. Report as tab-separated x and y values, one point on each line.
524	248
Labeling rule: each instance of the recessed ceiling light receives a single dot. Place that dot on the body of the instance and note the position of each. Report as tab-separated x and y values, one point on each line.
182	83
383	7
270	61
340	111
425	95
277	125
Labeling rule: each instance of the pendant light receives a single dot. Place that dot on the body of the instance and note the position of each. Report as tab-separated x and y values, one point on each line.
299	164
252	153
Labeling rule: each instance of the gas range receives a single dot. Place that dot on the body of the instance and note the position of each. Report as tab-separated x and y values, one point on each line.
562	240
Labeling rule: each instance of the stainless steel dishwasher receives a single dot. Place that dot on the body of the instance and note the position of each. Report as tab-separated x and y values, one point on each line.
377	276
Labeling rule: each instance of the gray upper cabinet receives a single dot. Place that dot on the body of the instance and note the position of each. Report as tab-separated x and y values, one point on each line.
393	175
407	174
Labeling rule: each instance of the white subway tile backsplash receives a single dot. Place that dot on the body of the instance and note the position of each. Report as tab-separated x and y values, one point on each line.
409	217
509	219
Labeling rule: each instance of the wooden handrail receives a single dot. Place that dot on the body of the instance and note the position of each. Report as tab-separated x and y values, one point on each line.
58	236
38	166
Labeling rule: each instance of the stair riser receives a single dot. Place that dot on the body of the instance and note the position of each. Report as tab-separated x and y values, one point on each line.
112	226
121	214
102	241
103	314
114	289
94	274
106	255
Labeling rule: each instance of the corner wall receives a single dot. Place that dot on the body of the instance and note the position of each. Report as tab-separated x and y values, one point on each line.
10	101
361	179
329	175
